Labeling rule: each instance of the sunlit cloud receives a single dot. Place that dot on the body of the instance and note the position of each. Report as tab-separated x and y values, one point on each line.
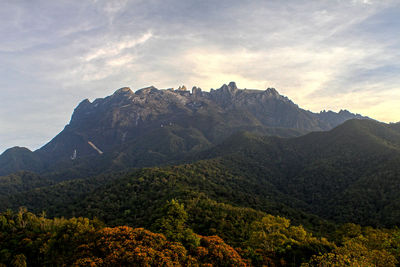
115	48
328	54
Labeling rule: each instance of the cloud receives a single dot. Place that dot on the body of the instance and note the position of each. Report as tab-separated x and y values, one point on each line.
365	2
328	54
115	48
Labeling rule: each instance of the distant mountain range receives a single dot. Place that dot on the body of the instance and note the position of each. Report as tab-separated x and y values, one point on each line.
150	127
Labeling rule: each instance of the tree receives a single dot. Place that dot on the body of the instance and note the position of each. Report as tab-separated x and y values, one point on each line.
173	225
269	234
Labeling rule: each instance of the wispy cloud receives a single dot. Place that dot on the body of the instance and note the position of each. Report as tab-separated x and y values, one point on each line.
328	54
115	48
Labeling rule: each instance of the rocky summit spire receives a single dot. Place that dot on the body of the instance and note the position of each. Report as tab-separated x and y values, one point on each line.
272	91
182	88
232	85
196	91
123	91
228	90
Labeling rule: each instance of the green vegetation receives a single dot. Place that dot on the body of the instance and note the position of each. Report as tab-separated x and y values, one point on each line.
350	174
30	240
21	182
273	201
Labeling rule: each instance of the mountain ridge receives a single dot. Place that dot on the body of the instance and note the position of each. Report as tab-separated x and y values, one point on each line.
186	121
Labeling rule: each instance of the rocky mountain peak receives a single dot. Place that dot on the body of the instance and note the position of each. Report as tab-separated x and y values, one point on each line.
83	105
228	90
196	91
344	111
182	88
272	91
232	85
123	91
147	90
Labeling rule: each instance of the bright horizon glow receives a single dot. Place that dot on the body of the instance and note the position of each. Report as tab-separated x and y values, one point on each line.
323	55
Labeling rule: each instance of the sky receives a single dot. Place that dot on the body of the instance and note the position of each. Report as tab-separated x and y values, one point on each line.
323	55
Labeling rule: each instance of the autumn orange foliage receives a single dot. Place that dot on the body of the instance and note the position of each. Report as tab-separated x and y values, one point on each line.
125	246
214	250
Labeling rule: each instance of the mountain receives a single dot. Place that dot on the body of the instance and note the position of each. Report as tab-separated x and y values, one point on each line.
150	127
348	174
19	158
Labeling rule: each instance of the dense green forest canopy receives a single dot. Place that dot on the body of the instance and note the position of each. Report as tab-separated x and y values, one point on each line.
349	174
270	200
31	240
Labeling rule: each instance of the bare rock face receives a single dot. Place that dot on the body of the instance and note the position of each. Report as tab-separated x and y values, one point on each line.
160	122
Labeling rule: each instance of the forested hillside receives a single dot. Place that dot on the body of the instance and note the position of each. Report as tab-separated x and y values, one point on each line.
349	174
249	200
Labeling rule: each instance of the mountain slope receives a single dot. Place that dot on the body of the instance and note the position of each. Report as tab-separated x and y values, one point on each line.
348	174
